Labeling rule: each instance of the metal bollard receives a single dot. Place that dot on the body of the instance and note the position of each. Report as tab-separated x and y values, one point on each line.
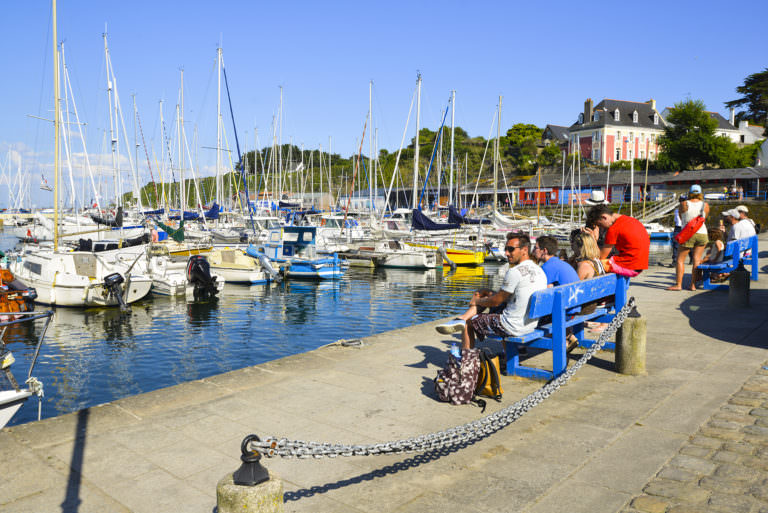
738	288
630	345
251	487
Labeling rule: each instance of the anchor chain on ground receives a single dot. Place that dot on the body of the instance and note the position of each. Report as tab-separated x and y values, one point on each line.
284	448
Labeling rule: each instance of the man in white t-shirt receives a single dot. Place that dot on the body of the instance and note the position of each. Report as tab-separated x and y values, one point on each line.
740	228
522	279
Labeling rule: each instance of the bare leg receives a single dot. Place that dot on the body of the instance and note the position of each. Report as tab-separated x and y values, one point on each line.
680	269
698	252
468	337
471	312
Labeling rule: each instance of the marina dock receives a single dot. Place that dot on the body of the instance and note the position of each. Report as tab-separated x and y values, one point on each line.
692	433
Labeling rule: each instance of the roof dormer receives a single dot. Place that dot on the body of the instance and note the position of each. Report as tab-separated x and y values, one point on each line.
581	118
616	114
596	117
655	118
634	116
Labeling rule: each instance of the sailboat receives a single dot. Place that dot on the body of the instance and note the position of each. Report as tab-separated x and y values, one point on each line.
75	278
12	394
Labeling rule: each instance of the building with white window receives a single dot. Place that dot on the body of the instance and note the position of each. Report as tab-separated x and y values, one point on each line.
616	130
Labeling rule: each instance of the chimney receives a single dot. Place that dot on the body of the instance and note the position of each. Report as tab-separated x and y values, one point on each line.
733	116
588	111
653	104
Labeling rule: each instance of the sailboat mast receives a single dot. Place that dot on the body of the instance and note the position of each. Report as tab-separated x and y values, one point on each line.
56	129
218	131
370	147
416	145
496	162
182	187
453	119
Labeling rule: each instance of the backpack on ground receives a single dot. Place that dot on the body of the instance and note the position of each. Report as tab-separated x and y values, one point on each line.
456	382
488	382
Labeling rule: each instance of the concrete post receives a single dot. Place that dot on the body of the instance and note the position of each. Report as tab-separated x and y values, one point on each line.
738	288
630	345
266	497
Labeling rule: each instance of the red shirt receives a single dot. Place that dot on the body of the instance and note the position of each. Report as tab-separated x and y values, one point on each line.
632	242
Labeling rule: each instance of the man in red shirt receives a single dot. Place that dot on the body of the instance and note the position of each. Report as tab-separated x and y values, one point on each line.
624	233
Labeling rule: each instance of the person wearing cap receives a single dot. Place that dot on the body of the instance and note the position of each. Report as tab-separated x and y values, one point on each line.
691	208
740	228
744	215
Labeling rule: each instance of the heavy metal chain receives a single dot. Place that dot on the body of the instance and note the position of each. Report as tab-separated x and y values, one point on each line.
271	447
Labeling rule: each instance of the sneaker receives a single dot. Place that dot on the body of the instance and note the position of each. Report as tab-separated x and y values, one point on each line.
454	326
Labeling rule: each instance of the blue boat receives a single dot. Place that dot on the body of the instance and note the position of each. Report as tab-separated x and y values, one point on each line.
295	246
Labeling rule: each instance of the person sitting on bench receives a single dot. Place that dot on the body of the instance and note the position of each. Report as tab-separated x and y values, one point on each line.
521	281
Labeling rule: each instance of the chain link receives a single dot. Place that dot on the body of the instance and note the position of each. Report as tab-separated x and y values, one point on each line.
271	447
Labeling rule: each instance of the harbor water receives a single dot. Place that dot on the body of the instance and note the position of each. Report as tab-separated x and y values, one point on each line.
94	356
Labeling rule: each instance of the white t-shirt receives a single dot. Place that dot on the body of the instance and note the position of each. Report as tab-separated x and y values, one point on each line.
521	281
741	230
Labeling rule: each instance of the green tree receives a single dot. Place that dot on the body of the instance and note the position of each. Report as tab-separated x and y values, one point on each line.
688	139
521	145
754	99
550	155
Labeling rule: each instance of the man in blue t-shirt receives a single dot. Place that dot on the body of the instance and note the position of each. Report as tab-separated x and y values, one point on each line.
557	271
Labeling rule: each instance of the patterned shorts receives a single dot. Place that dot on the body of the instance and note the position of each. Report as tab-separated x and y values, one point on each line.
487	324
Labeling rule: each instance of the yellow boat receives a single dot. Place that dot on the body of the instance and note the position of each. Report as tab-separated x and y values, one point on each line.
458	256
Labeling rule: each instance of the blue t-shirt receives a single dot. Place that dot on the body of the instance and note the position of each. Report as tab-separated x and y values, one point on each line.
559	272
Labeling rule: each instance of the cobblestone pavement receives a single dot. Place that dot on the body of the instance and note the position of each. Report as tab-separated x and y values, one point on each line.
723	467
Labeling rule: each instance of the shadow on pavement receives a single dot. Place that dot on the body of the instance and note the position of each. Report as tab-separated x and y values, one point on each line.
72	500
708	313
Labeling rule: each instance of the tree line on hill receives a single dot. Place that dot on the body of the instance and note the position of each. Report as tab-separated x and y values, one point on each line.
689	142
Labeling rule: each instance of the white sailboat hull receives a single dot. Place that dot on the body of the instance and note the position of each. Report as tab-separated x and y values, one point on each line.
10	402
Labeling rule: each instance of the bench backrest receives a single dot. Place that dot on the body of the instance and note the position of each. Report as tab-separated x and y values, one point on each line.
578	293
738	246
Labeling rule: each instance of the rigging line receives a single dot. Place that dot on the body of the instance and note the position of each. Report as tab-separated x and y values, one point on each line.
237	144
432	158
482	162
354	173
146	154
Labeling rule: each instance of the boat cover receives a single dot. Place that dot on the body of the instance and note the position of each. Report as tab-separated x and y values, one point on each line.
115	221
455	217
176	234
422	222
213	213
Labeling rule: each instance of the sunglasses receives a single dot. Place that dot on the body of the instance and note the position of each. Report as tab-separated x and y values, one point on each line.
511	249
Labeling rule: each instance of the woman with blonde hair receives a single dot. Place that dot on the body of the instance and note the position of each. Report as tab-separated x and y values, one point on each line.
586	255
693	207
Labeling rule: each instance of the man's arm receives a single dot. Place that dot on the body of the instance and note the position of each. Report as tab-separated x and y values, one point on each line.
490	301
605	252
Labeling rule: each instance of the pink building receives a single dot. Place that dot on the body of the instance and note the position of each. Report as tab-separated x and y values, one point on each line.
616	130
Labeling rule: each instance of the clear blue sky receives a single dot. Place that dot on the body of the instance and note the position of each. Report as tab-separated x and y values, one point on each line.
545	59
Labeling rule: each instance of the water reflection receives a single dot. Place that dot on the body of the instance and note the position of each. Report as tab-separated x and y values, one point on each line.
99	355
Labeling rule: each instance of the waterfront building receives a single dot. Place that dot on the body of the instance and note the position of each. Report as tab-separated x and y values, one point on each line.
615	130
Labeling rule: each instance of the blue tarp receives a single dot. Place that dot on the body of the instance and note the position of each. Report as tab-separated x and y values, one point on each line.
213	213
422	222
455	217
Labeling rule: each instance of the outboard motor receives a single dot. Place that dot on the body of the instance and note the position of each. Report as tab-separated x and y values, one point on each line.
199	275
112	283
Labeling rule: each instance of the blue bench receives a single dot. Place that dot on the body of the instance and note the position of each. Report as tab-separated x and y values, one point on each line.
733	255
563	303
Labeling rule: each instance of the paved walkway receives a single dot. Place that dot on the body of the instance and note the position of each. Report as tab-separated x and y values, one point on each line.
724	466
603	443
